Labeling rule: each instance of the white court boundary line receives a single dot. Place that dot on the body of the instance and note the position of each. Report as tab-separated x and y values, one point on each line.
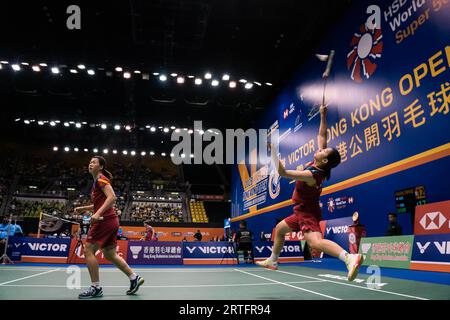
352	285
33	275
24	269
113	270
288	285
168	286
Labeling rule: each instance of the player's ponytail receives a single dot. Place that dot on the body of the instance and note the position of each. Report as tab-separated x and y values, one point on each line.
334	158
102	162
107	174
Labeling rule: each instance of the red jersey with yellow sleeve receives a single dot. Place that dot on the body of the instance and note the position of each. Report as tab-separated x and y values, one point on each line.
98	197
307	213
308	196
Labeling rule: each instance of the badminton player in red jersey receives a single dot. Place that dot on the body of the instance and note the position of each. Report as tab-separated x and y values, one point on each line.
307	212
149	232
103	231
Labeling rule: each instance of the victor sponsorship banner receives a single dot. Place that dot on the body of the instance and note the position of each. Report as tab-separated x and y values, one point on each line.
15	248
151	252
209	253
292	251
392	252
337	230
432	218
431	252
76	254
39	250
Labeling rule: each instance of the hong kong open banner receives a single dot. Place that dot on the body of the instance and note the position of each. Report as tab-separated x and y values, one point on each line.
432	218
209	253
431	252
76	254
392	252
388	117
151	252
292	251
41	250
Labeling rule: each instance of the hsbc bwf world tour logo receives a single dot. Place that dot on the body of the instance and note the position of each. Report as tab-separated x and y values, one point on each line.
366	47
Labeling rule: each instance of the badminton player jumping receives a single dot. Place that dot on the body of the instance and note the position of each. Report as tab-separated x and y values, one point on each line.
103	231
307	213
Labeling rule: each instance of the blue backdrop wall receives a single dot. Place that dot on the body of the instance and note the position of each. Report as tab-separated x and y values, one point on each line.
388	99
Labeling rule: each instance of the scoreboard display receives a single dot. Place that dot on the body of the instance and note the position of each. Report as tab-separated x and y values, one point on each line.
407	199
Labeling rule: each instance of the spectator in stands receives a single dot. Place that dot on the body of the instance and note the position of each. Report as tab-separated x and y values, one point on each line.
157	212
30	208
118	211
394	228
198	236
244	239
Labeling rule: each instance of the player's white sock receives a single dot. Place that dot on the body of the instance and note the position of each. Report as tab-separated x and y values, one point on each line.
343	255
274	257
133	276
96	284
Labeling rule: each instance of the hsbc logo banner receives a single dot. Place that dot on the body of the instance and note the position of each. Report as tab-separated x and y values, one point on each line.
432	218
432	248
290	249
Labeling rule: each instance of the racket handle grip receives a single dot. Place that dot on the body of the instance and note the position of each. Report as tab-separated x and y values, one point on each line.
327	72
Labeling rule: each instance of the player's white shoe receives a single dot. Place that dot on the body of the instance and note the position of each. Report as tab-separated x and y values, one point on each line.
353	262
269	264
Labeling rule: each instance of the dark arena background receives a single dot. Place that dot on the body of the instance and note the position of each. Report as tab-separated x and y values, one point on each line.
121	79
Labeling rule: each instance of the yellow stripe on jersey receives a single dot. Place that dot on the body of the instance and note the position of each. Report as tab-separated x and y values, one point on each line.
104	181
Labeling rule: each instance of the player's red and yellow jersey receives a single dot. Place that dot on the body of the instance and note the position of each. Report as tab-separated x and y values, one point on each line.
306	195
98	197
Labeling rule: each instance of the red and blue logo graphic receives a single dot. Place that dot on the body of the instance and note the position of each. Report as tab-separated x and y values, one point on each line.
330	204
366	49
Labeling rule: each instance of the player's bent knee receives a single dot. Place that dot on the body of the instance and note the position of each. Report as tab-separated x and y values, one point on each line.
89	251
110	256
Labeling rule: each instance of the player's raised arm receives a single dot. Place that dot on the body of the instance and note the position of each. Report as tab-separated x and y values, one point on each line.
303	175
322	137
